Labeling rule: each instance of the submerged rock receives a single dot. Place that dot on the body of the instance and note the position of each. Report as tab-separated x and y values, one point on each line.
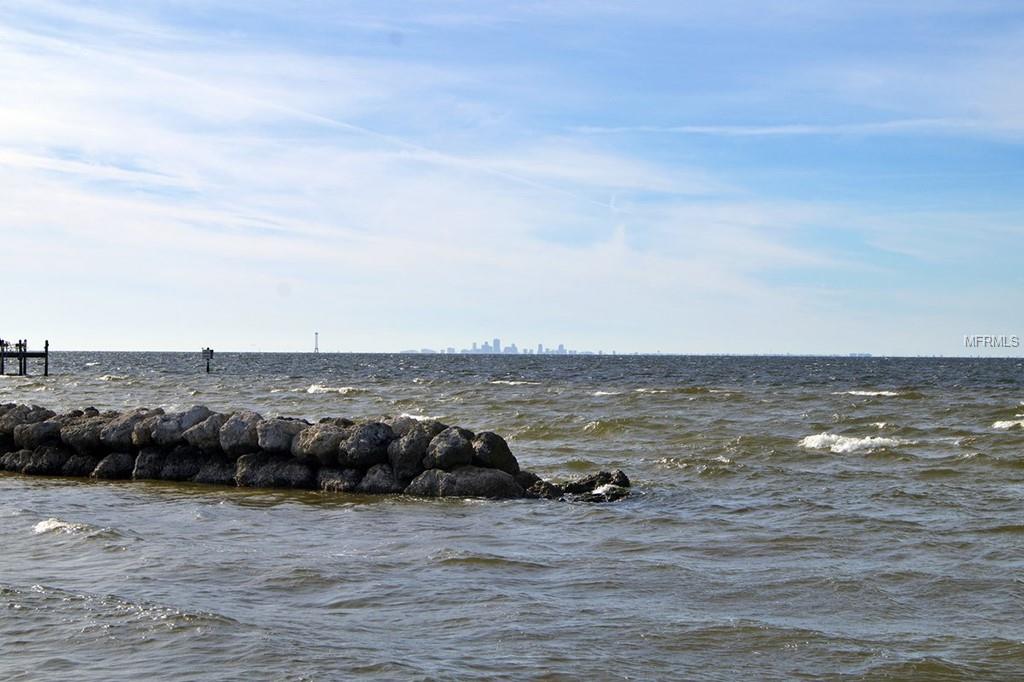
544	490
379	480
115	466
46	461
465	481
216	470
587	484
490	450
451	448
268	471
338	480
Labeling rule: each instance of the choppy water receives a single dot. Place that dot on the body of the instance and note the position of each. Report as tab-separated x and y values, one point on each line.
840	518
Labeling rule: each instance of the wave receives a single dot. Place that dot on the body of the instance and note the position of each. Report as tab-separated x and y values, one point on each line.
887	394
55	525
509	382
341	390
845	444
115	377
419	417
598	394
651	390
1007	424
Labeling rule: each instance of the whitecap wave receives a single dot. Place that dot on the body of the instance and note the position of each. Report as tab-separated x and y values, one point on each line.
651	390
55	525
1007	424
419	417
342	390
598	394
880	425
91	364
509	382
115	377
844	444
887	394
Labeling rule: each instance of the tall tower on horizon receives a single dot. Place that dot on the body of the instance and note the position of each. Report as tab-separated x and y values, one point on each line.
316	342
496	348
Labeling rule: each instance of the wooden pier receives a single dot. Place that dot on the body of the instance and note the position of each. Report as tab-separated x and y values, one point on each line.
19	351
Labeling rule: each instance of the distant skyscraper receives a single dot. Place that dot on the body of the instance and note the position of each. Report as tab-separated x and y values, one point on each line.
496	346
540	348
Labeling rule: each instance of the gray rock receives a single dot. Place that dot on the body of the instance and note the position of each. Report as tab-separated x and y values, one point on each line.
216	470
270	471
148	464
206	434
318	444
340	422
117	434
543	490
46	461
406	454
526	478
276	435
23	414
15	461
167	431
142	432
6	444
194	415
587	484
491	451
338	480
83	434
379	480
181	464
404	424
32	436
79	465
238	436
465	481
366	445
451	448
604	493
115	466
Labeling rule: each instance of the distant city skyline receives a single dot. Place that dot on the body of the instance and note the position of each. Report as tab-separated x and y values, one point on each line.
494	347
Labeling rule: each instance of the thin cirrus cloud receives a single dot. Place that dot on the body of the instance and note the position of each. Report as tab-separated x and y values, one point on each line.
262	172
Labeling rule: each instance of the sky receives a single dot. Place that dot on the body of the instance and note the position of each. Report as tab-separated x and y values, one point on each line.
821	176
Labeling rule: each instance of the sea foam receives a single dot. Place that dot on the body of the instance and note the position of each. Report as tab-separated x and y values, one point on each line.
1007	424
844	444
55	525
342	390
888	394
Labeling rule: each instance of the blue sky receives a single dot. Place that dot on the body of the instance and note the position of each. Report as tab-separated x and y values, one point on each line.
683	177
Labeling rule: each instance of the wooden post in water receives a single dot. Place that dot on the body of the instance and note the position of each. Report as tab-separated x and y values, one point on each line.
3	355
208	355
46	358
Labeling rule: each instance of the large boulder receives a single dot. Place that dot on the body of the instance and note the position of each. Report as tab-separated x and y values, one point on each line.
492	452
379	480
276	435
366	445
238	436
148	464
465	481
526	478
79	465
272	471
23	414
544	490
587	484
181	464
117	434
142	431
318	444
36	434
115	466
406	454
83	434
206	434
216	470
15	461
403	424
338	480
170	429
451	448
46	461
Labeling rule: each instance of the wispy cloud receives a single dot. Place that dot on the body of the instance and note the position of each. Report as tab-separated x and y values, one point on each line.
895	127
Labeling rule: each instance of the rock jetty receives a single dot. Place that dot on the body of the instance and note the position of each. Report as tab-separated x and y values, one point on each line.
390	455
